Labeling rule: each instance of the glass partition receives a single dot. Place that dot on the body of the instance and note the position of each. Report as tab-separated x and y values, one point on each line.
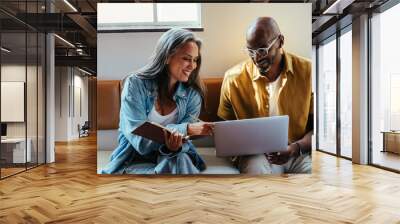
41	87
32	86
327	96
13	105
22	87
31	98
385	89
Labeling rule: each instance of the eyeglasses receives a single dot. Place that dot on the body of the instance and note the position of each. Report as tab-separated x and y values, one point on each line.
260	51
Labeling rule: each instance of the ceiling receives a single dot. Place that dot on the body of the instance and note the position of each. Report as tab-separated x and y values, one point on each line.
77	22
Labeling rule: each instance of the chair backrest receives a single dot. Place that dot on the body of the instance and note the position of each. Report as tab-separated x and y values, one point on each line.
86	125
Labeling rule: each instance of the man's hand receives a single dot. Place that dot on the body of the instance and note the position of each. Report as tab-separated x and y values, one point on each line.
280	158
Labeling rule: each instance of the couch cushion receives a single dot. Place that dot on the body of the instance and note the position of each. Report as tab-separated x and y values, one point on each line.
108	103
214	164
107	142
213	88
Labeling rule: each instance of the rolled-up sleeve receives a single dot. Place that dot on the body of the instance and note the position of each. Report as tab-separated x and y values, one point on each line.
133	114
193	109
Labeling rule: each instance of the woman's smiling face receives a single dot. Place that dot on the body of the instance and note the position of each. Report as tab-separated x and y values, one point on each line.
182	63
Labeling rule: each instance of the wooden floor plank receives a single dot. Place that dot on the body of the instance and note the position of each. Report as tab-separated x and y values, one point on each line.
70	191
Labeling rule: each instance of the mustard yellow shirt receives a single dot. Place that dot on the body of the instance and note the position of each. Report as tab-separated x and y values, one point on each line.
244	93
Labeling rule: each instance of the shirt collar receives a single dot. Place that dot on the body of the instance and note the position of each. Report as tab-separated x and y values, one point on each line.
180	90
287	68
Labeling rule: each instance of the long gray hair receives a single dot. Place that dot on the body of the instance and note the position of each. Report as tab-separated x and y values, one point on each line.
166	46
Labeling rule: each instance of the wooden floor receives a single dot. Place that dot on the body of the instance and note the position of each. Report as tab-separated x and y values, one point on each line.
70	191
386	159
10	171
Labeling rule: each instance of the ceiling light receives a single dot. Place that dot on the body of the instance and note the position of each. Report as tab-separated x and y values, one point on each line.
70	5
338	6
5	50
84	71
65	41
80	51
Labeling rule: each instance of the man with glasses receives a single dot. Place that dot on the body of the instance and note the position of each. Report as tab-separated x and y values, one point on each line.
272	82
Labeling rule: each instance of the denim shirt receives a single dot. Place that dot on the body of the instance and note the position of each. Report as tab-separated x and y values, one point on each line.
137	100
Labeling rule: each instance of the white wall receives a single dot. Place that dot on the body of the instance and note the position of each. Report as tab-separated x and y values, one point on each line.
225	25
33	125
61	103
80	84
68	82
17	72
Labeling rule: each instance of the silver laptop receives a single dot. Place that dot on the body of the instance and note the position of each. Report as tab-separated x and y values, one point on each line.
251	136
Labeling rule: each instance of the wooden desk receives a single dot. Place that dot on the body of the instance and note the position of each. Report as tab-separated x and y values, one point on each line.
391	141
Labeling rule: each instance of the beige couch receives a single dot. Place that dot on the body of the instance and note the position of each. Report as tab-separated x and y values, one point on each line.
108	104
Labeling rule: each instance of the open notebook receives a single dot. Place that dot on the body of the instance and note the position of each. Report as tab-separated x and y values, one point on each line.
155	132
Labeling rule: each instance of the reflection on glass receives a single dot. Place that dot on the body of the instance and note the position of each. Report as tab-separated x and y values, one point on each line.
386	88
41	98
22	91
327	97
14	146
346	94
31	100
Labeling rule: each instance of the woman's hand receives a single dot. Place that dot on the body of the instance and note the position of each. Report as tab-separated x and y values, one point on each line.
200	128
173	141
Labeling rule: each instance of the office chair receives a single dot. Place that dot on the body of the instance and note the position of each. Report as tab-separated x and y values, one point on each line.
84	130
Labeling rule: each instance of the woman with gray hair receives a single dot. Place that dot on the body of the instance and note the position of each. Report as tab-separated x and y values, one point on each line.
167	91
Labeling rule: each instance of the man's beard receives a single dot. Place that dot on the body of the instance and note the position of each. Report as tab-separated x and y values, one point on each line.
268	64
264	71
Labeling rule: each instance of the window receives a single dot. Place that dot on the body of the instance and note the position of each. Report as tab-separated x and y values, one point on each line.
394	101
327	97
126	16
346	94
335	94
385	89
